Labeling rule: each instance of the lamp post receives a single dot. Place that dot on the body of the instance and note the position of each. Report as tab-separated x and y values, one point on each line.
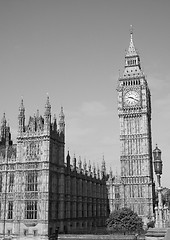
158	171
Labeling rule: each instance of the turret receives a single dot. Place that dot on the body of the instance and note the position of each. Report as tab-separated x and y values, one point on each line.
54	123
94	170
85	166
3	127
132	60
47	115
61	122
5	132
8	136
89	167
103	168
21	118
98	172
80	164
74	163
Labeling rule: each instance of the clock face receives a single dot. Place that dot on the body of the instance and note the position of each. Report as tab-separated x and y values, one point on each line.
131	98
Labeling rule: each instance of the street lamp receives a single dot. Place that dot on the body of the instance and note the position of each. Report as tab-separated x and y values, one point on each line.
158	171
157	164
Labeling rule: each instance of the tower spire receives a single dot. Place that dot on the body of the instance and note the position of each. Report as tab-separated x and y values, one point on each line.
3	120
47	107
5	135
132	59
131	103
21	117
103	167
61	121
3	127
131	32
131	50
47	115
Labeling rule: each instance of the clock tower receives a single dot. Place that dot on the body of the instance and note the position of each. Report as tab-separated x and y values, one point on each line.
134	111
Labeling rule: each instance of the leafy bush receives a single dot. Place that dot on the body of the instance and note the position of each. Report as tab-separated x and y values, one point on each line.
124	221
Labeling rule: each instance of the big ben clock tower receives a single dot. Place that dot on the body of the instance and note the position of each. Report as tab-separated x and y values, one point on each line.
134	111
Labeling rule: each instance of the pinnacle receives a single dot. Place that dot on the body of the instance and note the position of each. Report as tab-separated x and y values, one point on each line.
4	120
131	50
21	105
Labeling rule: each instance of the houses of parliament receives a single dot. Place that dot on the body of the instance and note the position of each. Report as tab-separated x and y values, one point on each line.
41	190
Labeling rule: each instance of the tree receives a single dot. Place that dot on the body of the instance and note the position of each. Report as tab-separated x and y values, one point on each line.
124	221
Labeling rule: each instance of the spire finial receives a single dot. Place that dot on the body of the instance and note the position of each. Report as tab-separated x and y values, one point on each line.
21	108
131	50
48	99
47	106
3	119
61	115
131	30
131	33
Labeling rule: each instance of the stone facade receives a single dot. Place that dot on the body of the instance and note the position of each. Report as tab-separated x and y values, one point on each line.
39	190
114	188
86	196
136	183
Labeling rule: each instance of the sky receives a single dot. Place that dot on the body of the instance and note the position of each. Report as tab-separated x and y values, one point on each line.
73	50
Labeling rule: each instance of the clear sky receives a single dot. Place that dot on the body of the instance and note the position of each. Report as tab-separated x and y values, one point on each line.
73	50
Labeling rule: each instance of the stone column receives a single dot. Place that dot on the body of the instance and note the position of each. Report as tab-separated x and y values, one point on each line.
156	217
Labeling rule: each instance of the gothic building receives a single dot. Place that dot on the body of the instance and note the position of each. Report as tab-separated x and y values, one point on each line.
134	110
39	190
114	187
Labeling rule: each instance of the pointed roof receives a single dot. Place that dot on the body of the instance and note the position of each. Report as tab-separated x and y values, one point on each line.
103	163
61	116
21	107
47	106
61	112
79	161
3	121
89	165
47	102
85	165
131	50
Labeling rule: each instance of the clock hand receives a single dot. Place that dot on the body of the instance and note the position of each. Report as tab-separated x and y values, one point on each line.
133	98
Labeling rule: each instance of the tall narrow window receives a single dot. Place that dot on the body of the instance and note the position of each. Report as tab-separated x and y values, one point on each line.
10	210
31	181
141	190
117	194
11	182
1	182
31	209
